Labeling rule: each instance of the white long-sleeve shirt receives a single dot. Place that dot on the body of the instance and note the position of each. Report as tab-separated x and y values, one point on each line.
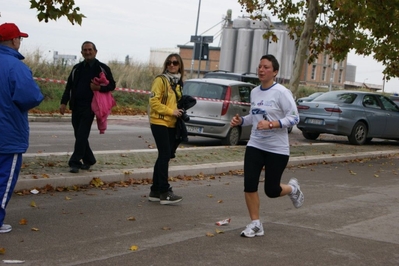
272	104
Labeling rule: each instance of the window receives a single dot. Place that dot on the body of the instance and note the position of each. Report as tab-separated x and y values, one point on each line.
313	75
388	104
340	76
245	93
370	101
323	76
325	59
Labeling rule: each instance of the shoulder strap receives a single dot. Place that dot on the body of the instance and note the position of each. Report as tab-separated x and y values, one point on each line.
165	83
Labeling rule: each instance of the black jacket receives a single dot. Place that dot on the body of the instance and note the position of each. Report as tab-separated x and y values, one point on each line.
74	76
186	102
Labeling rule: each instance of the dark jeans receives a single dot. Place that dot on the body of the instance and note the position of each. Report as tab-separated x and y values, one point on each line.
82	119
165	141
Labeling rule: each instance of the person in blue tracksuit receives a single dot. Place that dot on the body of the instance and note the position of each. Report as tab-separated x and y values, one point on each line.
18	93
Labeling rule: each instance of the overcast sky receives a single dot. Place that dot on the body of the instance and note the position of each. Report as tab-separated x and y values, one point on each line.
125	27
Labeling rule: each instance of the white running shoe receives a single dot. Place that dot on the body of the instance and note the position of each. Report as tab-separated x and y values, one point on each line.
253	230
5	228
297	198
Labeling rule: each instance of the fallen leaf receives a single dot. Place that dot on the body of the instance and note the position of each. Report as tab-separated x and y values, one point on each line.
166	228
2	251
97	182
33	204
219	231
23	222
67	198
220	201
351	172
209	196
131	218
34	229
209	234
134	248
375	175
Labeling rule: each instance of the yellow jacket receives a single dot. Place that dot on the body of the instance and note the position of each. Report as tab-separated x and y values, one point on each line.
162	102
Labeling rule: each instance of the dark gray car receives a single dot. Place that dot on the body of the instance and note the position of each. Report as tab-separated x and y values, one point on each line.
218	100
358	115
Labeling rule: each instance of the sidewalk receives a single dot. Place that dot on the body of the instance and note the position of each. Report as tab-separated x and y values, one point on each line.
40	170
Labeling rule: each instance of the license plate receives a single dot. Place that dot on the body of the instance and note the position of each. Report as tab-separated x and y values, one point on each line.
194	129
314	121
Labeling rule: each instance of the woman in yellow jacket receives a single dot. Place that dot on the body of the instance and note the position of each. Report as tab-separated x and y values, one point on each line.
166	91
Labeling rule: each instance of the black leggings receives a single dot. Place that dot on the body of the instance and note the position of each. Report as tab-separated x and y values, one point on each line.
274	165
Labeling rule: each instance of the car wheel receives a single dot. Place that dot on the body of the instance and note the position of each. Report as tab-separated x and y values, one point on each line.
232	137
309	135
359	134
290	129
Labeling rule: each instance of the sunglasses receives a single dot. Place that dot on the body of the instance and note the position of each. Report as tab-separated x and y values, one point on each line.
175	63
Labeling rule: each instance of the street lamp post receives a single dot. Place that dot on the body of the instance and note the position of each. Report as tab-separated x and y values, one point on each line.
196	32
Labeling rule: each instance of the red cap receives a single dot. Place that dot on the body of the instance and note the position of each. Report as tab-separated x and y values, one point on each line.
9	31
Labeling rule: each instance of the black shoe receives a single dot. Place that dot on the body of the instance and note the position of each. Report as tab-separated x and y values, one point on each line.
169	198
85	166
74	170
154	196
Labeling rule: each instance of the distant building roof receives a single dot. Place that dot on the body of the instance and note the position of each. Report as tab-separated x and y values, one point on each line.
352	85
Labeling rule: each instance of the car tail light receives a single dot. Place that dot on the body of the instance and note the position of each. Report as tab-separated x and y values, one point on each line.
302	107
333	110
226	103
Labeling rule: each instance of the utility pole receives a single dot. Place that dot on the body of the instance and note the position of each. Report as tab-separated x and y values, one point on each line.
196	32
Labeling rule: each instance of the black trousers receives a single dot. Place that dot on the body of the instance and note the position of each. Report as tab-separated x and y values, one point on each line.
165	140
82	119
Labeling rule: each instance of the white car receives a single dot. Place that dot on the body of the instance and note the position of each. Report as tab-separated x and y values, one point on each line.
218	101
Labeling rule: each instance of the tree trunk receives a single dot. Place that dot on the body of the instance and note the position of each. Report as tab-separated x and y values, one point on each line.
303	45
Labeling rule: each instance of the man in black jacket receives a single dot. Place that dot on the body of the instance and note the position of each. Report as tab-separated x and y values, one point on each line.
79	93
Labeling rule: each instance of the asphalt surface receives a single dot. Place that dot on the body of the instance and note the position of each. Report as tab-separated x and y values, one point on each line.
350	217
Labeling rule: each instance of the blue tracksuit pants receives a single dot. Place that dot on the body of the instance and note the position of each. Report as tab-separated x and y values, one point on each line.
10	165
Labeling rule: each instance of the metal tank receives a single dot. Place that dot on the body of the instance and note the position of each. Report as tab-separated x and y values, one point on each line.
259	48
228	49
287	63
241	23
259	24
243	50
277	49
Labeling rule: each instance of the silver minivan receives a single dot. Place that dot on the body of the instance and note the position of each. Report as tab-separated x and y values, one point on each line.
218	100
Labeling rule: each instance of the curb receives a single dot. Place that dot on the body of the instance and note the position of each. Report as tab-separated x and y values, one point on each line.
69	179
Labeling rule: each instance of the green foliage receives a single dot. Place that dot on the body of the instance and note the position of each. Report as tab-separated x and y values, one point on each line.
368	27
54	9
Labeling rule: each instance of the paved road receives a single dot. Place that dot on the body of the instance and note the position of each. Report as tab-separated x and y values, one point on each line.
350	217
124	133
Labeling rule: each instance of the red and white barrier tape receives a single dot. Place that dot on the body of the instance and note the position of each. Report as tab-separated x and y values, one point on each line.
141	91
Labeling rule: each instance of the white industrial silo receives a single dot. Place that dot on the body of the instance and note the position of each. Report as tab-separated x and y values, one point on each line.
241	23
287	63
228	49
277	48
243	50
259	48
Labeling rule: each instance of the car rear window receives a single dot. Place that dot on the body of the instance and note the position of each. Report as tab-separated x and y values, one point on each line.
345	97
221	76
204	90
